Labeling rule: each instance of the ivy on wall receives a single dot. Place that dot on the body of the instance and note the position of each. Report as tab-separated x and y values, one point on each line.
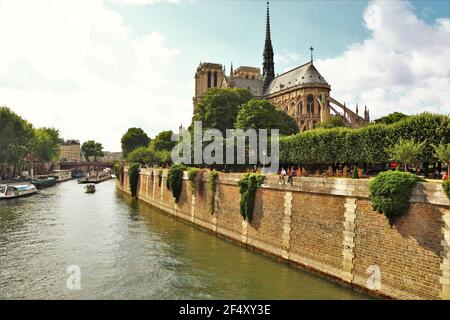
192	177
390	192
133	177
212	185
247	188
175	180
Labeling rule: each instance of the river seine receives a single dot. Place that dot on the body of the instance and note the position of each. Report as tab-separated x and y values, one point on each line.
127	250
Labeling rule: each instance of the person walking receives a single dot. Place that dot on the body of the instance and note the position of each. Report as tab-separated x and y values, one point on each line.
291	175
282	175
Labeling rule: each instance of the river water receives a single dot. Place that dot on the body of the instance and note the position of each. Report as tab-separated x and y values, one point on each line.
127	250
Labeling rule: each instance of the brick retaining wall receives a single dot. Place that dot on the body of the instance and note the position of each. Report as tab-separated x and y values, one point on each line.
327	225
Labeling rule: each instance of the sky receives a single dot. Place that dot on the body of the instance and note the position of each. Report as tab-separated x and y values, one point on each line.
94	68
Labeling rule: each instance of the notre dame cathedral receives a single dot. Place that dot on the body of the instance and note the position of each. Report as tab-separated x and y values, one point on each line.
301	92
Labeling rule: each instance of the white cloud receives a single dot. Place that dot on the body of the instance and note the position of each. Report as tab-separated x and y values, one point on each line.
403	66
146	2
76	66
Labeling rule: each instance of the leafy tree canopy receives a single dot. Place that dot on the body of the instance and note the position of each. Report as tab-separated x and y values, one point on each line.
405	151
391	118
132	139
143	156
46	144
333	122
261	114
92	149
16	136
218	108
163	141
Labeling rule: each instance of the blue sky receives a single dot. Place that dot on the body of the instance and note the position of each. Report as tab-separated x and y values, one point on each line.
94	68
222	31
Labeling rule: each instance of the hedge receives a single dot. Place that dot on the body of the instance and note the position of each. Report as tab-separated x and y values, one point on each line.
368	144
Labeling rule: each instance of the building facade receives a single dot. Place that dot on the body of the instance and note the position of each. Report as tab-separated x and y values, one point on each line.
302	92
70	150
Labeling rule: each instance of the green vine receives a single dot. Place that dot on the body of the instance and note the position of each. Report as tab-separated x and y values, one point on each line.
446	187
175	180
133	177
192	176
248	185
390	192
212	184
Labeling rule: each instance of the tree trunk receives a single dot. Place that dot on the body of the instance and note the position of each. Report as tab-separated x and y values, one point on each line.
406	167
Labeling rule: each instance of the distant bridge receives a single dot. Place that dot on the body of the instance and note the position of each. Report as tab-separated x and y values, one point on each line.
69	165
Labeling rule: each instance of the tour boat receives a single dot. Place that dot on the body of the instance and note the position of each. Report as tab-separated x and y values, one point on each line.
96	177
61	175
90	188
12	191
42	182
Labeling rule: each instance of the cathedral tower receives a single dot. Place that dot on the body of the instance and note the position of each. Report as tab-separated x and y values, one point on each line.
268	64
208	75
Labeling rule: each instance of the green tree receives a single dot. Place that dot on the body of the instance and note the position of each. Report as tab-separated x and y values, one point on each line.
218	108
391	118
144	156
405	151
92	149
442	152
163	141
333	122
16	138
46	144
132	139
261	114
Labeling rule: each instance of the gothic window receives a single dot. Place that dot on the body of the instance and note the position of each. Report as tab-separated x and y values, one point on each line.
310	104
209	79
215	79
300	108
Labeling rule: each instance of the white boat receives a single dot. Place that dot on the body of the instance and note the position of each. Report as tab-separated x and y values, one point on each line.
11	191
61	175
96	177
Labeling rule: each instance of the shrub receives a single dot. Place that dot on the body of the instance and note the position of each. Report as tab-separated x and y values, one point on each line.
133	176
192	175
446	187
247	188
390	192
212	185
175	180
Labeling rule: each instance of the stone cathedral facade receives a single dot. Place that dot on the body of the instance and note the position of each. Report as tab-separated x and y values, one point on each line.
301	92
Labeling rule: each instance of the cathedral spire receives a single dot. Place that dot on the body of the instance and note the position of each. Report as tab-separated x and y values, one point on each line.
231	78
268	64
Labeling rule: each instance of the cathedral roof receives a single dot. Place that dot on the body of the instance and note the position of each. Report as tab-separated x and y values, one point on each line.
305	74
252	85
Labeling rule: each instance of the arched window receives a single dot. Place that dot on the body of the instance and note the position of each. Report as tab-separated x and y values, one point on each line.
310	104
209	79
300	108
215	79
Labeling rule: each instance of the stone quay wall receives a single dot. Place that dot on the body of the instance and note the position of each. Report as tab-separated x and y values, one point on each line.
325	225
